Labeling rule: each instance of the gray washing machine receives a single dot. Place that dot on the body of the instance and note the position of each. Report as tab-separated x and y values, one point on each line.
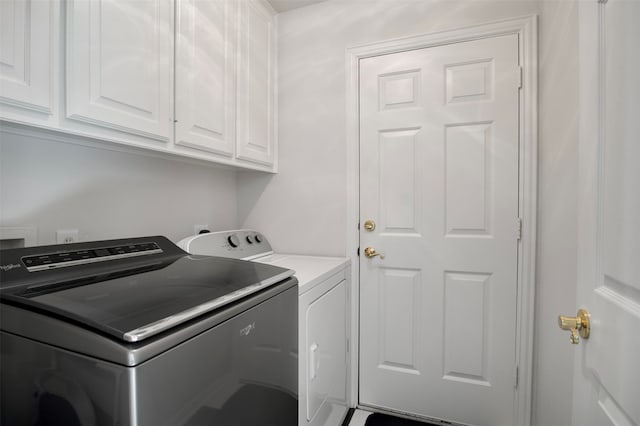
138	332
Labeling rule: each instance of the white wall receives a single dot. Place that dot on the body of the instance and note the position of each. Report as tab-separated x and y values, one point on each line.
303	209
108	194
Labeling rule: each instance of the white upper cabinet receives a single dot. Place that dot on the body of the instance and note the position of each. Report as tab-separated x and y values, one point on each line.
194	78
205	75
256	140
26	58
119	65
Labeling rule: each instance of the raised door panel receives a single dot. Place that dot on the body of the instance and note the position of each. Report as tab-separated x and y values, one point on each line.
26	54
118	72
205	75
256	84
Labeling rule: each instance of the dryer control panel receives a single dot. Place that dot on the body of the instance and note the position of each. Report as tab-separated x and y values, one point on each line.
238	244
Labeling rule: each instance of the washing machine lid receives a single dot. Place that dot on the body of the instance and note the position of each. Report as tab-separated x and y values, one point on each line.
134	297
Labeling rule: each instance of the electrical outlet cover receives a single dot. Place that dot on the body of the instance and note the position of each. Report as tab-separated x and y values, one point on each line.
66	236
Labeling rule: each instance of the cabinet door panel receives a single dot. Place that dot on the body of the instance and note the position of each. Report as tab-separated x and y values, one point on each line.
256	104
119	65
205	81
26	43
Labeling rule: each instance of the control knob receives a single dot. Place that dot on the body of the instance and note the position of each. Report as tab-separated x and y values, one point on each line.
233	240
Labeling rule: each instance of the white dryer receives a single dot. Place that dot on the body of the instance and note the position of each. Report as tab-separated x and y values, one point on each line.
323	289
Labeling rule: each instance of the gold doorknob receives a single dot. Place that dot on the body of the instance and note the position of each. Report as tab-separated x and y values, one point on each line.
580	324
371	252
369	225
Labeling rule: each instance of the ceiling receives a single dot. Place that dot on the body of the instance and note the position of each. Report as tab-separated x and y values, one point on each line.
284	5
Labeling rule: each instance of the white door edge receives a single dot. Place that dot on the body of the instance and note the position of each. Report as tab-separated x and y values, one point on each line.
527	29
598	395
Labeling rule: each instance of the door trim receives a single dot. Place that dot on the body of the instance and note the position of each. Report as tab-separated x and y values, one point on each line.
526	28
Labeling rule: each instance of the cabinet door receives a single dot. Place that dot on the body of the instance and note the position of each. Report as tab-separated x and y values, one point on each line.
119	62
26	50
205	80
256	83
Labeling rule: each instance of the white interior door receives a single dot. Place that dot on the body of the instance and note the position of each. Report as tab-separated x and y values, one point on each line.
607	375
439	177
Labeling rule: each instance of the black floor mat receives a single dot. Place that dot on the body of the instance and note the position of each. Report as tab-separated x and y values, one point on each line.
377	419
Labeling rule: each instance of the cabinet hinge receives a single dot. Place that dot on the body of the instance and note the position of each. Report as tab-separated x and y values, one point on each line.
347	345
520	77
516	377
519	228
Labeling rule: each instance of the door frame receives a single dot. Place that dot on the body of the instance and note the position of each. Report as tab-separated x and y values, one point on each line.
527	30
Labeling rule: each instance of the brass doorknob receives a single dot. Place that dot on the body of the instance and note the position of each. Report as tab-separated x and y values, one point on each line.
371	252
580	324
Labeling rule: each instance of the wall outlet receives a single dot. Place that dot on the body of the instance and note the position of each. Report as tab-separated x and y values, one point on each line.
198	228
67	236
